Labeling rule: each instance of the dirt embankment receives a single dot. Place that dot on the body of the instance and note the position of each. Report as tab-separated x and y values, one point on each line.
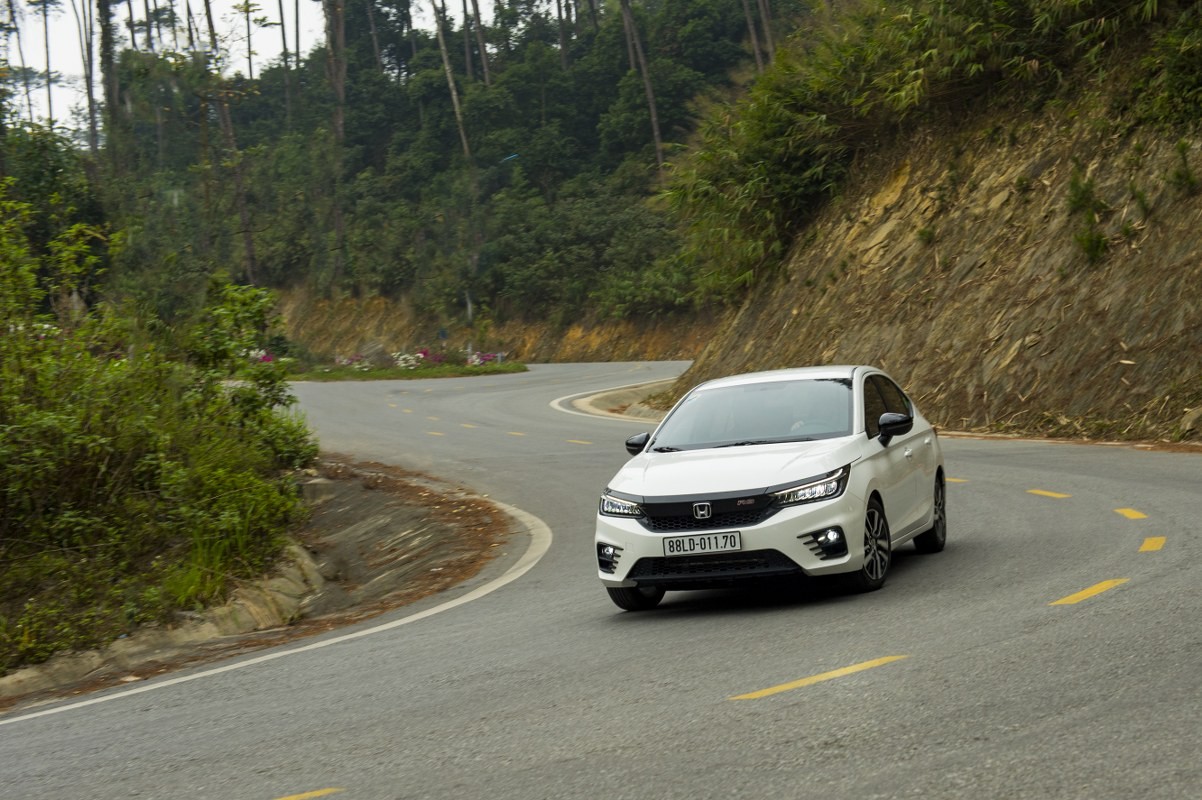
962	266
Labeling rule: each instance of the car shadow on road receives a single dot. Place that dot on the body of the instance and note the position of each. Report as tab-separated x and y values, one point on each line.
809	592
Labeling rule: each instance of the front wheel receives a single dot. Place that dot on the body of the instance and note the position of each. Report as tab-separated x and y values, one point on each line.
878	551
933	540
635	598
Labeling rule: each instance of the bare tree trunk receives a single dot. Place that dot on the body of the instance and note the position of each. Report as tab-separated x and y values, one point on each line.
467	41
16	29
250	50
213	45
755	39
563	36
335	17
480	42
287	70
85	27
375	35
49	72
633	32
149	29
108	68
129	23
335	14
174	25
766	20
439	22
193	30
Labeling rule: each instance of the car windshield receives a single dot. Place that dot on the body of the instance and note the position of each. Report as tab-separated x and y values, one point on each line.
758	413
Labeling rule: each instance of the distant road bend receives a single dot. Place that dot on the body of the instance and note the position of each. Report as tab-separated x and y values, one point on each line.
1052	651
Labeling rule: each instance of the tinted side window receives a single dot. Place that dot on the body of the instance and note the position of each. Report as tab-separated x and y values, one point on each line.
874	406
895	398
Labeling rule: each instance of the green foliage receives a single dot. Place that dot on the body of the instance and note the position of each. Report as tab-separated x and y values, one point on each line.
123	468
1182	177
1092	243
767	162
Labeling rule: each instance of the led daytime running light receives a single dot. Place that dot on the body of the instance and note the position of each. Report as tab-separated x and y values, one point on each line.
829	486
614	507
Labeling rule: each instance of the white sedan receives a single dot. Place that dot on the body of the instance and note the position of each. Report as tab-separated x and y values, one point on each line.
792	472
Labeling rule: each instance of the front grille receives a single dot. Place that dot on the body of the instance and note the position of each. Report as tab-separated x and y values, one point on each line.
713	569
684	522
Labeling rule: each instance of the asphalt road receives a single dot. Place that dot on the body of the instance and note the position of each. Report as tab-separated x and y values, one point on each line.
1054	650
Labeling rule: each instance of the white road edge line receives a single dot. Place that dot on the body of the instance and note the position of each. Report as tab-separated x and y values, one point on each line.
564	404
540	542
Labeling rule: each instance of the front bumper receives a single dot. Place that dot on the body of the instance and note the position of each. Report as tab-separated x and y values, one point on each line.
785	544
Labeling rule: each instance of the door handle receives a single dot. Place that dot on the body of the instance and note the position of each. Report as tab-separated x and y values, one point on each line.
909	453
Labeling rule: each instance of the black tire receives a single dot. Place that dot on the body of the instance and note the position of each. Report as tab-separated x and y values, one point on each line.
878	551
933	540
635	598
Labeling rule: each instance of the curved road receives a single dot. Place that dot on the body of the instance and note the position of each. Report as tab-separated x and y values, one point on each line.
1054	650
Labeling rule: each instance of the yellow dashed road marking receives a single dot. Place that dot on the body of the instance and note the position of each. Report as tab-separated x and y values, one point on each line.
956	480
1130	513
433	419
1152	544
515	433
435	433
407	410
1085	594
466	425
825	676
1042	493
310	795
578	441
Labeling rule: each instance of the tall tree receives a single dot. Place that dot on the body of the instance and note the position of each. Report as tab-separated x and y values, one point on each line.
755	39
287	69
335	19
479	26
85	24
439	22
14	27
766	20
632	32
44	7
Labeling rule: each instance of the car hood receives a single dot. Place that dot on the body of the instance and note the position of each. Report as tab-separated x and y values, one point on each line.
731	469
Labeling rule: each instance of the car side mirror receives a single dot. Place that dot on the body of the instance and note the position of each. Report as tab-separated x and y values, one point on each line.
894	424
636	443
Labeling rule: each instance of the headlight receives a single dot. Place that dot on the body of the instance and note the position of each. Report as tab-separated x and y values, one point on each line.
821	488
616	507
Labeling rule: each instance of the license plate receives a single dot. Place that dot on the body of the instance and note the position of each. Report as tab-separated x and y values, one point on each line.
701	543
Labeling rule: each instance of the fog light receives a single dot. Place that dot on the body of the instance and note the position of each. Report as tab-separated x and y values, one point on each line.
607	557
828	543
830	537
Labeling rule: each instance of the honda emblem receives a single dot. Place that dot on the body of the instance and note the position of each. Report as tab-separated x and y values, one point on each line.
702	511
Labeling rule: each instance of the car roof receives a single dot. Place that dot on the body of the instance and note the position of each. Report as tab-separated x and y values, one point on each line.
831	372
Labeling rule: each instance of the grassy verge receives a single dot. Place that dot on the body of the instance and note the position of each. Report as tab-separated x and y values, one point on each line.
359	372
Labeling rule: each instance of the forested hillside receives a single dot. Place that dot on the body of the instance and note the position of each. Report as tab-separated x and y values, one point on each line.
475	165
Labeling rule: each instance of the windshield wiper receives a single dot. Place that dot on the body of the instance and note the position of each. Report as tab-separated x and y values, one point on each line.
665	449
745	443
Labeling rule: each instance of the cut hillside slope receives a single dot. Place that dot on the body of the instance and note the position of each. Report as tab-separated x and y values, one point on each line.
962	265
